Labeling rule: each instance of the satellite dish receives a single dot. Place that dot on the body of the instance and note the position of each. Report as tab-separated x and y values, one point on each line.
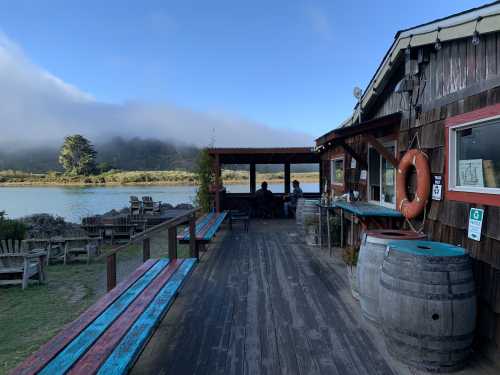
357	92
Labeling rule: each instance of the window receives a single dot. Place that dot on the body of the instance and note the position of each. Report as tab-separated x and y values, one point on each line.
337	171
474	162
381	177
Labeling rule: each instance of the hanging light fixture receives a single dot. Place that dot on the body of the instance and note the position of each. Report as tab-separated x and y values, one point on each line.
475	38
475	35
408	47
437	43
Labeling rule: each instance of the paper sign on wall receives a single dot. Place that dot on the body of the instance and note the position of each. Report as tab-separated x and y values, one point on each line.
470	172
437	188
475	223
362	175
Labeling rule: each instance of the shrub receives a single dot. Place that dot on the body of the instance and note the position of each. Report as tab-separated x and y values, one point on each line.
11	229
350	256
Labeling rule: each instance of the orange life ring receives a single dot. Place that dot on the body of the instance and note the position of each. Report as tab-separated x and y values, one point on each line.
418	159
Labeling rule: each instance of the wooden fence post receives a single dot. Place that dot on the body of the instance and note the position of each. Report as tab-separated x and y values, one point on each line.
146	249
111	271
172	242
193	249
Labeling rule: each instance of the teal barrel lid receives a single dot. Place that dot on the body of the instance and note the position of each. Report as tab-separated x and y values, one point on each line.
426	248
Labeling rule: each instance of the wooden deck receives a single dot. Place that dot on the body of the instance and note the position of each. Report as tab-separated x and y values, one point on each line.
263	302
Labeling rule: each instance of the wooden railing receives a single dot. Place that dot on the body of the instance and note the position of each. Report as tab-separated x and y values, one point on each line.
169	225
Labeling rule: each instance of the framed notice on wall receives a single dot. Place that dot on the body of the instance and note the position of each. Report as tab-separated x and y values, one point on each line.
470	172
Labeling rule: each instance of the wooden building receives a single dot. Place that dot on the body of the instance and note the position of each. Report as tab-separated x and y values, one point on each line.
251	157
437	89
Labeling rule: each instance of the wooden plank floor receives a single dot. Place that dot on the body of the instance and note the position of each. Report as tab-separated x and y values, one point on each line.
265	303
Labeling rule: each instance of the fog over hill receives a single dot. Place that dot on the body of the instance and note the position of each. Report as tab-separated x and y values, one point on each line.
38	110
120	153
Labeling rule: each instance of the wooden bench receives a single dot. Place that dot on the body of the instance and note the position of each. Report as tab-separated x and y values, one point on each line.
205	229
109	336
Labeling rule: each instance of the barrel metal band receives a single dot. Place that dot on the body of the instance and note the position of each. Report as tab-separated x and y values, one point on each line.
429	296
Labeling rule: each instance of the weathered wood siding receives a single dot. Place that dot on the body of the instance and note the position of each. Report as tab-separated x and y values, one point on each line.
457	79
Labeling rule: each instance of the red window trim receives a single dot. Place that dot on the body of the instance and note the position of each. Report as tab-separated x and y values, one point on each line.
477	198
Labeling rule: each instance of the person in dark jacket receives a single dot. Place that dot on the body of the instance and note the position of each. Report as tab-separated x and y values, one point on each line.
264	201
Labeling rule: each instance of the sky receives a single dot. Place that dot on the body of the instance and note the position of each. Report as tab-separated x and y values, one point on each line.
243	73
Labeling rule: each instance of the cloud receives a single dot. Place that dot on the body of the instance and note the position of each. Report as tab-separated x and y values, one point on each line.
320	22
40	109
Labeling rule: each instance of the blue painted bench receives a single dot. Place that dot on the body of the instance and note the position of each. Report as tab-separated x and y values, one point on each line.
109	336
205	229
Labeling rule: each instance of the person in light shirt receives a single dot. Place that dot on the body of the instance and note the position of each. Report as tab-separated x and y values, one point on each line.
291	204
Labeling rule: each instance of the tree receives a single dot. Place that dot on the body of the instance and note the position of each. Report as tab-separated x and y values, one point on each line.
77	155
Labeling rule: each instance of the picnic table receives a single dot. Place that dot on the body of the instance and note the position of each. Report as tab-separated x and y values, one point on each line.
366	212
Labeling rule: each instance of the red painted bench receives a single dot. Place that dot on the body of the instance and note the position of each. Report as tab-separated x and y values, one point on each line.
109	336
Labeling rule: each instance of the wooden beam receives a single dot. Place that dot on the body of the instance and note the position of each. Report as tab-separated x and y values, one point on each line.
287	178
386	154
253	178
359	158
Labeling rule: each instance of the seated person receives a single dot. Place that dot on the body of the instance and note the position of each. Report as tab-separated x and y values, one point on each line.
291	203
264	201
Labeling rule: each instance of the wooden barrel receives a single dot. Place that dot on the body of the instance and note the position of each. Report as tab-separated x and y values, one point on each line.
306	209
428	304
371	255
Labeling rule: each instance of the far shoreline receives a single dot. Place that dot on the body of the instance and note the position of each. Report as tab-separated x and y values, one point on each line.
142	183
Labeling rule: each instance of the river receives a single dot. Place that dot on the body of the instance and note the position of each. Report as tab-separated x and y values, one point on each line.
73	203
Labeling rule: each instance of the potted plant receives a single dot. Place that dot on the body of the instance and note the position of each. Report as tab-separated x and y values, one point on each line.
311	230
350	256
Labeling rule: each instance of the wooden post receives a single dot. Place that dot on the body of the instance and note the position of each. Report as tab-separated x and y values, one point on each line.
146	249
111	271
287	178
321	174
253	179
172	242
217	183
193	248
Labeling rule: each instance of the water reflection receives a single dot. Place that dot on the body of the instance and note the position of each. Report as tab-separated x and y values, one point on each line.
73	203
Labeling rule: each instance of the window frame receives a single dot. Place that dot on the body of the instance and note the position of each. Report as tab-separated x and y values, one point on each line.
482	115
452	159
380	202
332	164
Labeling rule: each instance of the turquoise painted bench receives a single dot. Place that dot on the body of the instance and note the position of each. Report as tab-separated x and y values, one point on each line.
110	335
205	229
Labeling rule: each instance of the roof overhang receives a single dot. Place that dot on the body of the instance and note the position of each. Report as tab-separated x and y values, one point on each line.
293	155
339	134
484	19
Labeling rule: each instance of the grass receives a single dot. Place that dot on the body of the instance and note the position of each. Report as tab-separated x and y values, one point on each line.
30	317
114	177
